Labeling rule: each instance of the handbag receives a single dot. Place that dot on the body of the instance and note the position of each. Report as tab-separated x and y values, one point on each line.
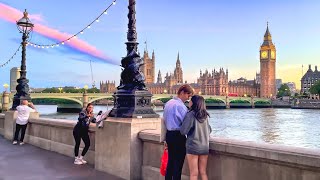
164	162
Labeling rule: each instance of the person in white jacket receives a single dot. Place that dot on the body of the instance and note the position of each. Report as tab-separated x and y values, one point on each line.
24	111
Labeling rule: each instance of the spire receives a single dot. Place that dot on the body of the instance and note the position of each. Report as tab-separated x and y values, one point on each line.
159	80
178	61
146	43
267	37
153	56
267	34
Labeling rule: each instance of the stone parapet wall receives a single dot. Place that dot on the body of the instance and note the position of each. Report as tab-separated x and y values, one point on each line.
57	135
306	104
240	160
2	116
51	134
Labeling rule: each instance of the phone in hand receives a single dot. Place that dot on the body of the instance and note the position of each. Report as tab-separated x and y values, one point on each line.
100	112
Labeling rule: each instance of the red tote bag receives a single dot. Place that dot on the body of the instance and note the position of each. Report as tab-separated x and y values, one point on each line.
164	162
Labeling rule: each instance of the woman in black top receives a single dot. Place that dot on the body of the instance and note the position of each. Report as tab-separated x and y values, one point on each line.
81	131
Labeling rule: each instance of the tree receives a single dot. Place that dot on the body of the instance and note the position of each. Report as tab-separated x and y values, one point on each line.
284	90
315	89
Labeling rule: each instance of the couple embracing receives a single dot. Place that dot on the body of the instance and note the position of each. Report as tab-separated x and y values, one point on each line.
188	132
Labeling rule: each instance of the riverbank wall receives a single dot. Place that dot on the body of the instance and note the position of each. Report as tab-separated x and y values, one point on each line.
131	149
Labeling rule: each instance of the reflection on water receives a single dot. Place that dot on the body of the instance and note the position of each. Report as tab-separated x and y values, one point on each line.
294	127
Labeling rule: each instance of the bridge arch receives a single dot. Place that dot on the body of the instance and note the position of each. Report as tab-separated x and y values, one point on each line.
91	100
77	100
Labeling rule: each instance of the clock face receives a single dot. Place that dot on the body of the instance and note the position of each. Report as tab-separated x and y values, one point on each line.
273	54
264	54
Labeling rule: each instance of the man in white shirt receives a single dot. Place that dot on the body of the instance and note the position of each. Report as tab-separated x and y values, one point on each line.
24	111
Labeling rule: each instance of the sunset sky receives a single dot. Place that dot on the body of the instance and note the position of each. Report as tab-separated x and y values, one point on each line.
208	34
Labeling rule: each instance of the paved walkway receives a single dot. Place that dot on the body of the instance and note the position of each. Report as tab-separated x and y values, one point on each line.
28	162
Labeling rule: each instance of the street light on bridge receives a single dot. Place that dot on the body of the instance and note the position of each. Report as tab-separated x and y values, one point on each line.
60	89
165	91
25	27
85	87
5	87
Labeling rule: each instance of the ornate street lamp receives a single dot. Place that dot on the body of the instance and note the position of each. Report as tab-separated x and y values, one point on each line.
25	27
132	98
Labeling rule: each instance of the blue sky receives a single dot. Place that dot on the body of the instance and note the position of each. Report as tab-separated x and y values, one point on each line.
208	34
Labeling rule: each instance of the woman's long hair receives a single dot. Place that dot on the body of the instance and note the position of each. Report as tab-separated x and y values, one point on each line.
89	104
199	108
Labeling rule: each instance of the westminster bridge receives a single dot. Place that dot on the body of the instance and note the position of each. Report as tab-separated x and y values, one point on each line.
82	99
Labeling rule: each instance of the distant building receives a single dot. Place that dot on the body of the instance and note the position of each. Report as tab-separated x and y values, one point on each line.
215	82
14	76
36	90
278	83
244	87
309	79
108	87
148	69
292	87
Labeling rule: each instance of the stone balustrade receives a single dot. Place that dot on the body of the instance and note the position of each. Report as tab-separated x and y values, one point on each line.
240	160
2	116
50	134
126	149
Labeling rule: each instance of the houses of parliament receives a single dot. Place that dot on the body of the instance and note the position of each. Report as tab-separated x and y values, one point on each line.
215	82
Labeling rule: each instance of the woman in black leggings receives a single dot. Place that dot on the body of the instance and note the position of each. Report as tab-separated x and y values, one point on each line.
81	131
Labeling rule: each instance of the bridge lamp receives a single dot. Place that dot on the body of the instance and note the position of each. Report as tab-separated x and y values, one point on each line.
245	95
85	87
60	89
165	91
200	92
5	87
24	26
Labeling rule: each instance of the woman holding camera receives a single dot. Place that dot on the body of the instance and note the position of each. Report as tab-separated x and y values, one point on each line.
81	131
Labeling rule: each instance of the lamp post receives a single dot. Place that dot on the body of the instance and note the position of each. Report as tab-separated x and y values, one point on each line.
165	91
85	87
85	96
5	87
60	89
25	27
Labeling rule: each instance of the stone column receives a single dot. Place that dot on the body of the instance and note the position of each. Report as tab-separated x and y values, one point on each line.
5	101
227	103
118	150
85	100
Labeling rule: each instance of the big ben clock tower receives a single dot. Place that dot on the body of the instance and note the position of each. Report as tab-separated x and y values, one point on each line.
268	67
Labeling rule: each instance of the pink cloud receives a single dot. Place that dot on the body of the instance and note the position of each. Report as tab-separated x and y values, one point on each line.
12	15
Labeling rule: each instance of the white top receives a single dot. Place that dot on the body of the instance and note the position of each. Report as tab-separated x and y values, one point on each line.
23	114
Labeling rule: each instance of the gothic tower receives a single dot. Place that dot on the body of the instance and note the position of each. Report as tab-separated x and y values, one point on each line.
159	80
148	69
178	74
268	66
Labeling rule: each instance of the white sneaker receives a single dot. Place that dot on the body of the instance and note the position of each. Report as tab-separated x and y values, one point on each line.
15	142
21	143
77	161
82	160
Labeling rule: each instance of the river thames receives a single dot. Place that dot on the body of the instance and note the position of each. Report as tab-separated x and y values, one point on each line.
292	127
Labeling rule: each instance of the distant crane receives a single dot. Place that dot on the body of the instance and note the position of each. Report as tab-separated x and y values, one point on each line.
93	82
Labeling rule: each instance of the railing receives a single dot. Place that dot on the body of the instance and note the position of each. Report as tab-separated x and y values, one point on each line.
240	160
